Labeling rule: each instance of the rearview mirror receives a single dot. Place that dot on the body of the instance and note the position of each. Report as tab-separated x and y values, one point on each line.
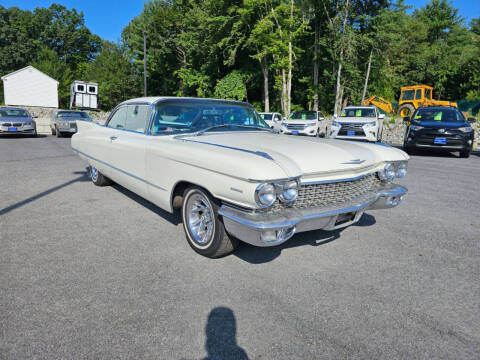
381	116
471	120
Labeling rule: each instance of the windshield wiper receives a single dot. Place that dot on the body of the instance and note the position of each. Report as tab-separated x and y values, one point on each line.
229	126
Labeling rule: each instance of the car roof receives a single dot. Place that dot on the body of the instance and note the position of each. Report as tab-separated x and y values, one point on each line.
155	99
359	107
11	108
438	108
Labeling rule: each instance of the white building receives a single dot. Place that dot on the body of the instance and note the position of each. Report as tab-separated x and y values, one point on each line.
30	87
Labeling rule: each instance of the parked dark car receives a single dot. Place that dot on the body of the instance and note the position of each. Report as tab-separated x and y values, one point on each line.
15	120
65	121
443	128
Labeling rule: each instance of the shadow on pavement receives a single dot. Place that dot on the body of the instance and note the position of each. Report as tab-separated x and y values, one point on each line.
18	136
221	333
259	255
172	218
83	177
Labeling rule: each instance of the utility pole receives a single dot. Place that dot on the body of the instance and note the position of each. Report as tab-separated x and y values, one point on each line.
144	63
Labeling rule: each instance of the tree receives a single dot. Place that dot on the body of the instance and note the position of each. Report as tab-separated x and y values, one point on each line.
49	63
117	77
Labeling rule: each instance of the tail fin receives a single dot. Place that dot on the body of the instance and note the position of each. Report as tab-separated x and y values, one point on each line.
85	125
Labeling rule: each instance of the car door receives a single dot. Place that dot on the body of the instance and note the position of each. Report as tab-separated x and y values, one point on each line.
126	146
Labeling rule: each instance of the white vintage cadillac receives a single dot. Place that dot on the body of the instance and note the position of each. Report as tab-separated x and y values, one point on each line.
231	177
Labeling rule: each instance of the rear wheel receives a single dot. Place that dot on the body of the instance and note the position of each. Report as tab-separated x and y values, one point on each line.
203	226
406	110
98	178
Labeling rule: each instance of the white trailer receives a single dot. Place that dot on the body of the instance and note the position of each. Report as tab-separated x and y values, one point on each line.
84	95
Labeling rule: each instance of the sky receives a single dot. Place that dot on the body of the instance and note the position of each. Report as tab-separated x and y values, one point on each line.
107	18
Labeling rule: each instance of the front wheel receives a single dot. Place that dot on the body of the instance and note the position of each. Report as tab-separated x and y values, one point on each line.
203	227
406	110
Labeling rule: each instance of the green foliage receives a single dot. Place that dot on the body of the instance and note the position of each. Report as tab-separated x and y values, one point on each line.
49	63
231	87
116	76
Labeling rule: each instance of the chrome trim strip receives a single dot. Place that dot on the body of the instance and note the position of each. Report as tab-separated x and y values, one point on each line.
274	180
120	170
259	153
337	180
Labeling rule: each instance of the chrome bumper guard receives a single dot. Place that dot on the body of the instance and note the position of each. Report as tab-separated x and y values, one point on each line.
270	229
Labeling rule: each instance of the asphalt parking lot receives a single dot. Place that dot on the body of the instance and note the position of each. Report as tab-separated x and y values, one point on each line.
89	272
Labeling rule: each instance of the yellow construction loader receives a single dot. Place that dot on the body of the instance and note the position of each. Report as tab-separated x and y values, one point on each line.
411	98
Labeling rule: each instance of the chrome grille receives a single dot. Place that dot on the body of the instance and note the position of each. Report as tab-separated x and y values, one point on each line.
295	126
321	195
352	126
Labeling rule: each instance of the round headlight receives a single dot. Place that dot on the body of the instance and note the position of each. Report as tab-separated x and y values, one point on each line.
265	195
388	172
401	170
289	192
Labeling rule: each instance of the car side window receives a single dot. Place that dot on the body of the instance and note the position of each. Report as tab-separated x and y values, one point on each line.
278	117
117	120
418	94
137	117
428	95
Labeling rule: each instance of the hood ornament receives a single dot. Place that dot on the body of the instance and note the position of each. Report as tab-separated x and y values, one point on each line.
354	161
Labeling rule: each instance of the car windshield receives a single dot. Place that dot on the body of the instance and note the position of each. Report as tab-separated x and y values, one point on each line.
266	116
73	114
358	112
438	115
183	116
303	115
408	94
13	113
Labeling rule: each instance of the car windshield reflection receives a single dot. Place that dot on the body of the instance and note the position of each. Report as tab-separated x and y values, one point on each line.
188	116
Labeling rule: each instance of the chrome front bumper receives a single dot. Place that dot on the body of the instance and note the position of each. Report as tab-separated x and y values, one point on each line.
264	229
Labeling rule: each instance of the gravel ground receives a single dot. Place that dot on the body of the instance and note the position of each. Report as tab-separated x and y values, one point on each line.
89	272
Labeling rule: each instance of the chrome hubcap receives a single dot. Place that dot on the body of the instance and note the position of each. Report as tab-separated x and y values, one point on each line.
94	173
200	219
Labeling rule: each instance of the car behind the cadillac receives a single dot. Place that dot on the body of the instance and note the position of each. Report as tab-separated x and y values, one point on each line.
439	128
15	120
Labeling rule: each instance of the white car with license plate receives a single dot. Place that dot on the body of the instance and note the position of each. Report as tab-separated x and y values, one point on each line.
274	120
231	177
358	123
305	122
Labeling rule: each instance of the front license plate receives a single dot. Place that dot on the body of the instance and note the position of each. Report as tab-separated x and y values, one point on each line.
351	133
12	129
294	132
440	140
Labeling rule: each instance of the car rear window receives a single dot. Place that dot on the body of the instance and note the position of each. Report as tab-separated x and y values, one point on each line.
72	114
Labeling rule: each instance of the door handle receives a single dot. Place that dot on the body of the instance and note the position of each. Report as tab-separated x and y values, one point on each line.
113	138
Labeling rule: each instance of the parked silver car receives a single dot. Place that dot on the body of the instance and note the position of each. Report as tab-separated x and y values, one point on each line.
15	120
65	121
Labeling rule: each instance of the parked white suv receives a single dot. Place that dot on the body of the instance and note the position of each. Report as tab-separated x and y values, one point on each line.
359	123
274	120
305	122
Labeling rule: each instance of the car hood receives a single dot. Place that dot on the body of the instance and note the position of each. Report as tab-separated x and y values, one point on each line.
355	119
15	119
442	124
264	154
